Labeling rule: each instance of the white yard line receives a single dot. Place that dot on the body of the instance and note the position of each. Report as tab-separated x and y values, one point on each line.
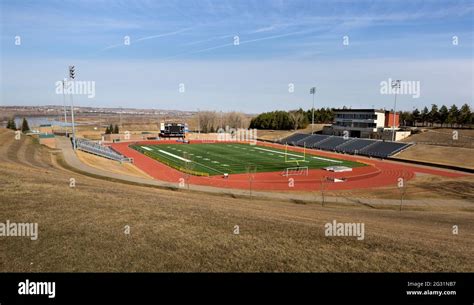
173	155
324	159
147	148
283	153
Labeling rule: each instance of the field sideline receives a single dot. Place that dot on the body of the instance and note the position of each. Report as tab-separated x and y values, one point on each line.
234	158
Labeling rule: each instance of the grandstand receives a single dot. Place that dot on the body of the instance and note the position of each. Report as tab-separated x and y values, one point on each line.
100	150
366	147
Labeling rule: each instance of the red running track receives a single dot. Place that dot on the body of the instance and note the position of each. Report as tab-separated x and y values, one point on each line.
378	173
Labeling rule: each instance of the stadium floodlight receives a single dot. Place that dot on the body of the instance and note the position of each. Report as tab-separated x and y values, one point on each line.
313	92
72	76
395	85
72	72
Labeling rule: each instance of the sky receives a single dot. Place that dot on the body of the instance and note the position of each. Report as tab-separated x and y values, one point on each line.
241	55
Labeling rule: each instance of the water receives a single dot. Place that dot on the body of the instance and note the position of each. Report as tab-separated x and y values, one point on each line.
37	121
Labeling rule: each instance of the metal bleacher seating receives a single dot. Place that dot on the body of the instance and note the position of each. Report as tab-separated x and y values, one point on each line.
313	141
367	147
332	142
295	138
383	149
100	150
354	145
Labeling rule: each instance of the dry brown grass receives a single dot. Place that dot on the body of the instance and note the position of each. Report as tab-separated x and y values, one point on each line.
82	228
421	187
111	166
443	137
456	156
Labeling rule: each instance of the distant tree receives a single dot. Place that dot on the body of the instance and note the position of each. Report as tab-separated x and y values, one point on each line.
443	115
453	115
107	130
425	115
296	118
24	126
11	124
406	118
433	115
415	116
465	117
116	129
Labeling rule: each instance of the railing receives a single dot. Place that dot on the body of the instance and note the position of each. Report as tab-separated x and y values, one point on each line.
101	150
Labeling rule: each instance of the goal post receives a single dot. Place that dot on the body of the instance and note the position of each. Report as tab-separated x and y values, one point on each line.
296	171
294	160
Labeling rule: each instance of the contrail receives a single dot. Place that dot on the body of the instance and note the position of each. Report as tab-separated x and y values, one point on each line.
149	37
242	42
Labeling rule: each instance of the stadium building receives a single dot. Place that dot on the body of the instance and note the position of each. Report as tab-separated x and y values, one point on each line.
365	123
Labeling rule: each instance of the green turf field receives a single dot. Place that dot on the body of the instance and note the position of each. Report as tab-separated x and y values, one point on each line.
219	158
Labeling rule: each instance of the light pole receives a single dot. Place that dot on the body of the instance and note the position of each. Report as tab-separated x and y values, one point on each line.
313	92
64	105
71	78
396	86
199	124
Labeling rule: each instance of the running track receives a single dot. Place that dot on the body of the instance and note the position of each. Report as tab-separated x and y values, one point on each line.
378	173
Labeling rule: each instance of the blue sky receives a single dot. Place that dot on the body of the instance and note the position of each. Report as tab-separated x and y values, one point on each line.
280	43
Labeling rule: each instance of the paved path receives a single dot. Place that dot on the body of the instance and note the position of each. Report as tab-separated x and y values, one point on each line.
73	161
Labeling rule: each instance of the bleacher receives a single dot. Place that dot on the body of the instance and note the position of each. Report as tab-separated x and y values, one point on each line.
100	150
295	138
366	147
313	141
383	149
332	142
354	146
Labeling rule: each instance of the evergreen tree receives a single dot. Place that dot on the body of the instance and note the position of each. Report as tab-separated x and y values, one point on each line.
424	115
9	124
107	130
465	115
443	115
24	126
415	116
433	116
116	129
453	115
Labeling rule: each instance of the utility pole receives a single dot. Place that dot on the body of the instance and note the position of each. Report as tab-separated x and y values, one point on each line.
313	92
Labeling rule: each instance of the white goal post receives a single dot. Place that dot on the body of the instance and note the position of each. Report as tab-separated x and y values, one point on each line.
296	171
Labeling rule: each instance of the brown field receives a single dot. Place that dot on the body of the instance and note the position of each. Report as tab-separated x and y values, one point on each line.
111	165
82	228
443	137
455	156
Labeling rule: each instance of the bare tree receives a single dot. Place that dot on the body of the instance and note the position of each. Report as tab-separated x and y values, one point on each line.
296	118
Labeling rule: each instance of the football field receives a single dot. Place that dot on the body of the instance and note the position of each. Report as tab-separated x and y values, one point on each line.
209	159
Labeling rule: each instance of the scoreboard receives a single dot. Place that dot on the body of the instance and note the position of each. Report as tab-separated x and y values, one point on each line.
172	130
